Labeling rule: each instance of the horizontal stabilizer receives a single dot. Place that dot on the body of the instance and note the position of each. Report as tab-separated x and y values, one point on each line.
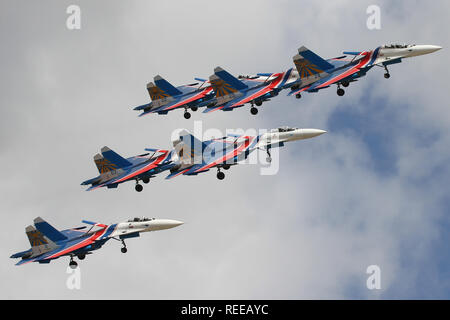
115	158
352	53
94	224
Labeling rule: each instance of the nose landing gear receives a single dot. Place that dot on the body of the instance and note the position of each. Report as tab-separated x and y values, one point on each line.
269	156
387	75
124	248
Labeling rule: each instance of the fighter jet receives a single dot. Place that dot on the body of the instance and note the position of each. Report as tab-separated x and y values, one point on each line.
165	97
115	169
231	92
195	156
315	73
48	244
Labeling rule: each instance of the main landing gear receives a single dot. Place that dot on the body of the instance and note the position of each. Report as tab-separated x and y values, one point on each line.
124	248
138	187
73	264
194	108
187	115
387	75
298	95
220	174
253	110
340	91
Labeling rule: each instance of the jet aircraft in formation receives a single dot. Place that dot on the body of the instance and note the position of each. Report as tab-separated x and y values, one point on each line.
47	243
189	156
312	73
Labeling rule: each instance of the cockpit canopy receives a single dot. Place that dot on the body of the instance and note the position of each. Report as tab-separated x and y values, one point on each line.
397	46
143	219
284	129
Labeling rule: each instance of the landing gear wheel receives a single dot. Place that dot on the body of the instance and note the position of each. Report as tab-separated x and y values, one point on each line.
226	167
194	108
220	175
124	250
345	84
81	256
269	159
298	95
387	75
253	111
187	115
73	264
146	180
138	188
340	92
258	103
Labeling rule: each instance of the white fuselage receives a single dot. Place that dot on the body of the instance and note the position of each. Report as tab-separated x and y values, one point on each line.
125	228
386	53
275	137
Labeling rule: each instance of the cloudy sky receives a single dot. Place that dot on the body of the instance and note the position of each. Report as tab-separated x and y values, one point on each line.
373	191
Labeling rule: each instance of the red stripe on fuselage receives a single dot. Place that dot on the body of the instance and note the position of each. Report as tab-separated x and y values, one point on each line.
361	64
231	154
193	98
79	245
150	166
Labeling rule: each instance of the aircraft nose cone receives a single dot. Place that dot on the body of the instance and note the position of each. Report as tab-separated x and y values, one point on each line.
431	49
161	224
425	49
310	133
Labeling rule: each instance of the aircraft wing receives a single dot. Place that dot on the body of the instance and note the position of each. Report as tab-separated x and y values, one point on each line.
67	247
341	74
180	102
135	171
230	155
248	96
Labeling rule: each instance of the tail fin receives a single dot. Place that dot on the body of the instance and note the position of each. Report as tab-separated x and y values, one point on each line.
166	86
103	165
155	92
308	63
221	88
229	79
115	158
48	230
39	243
189	148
